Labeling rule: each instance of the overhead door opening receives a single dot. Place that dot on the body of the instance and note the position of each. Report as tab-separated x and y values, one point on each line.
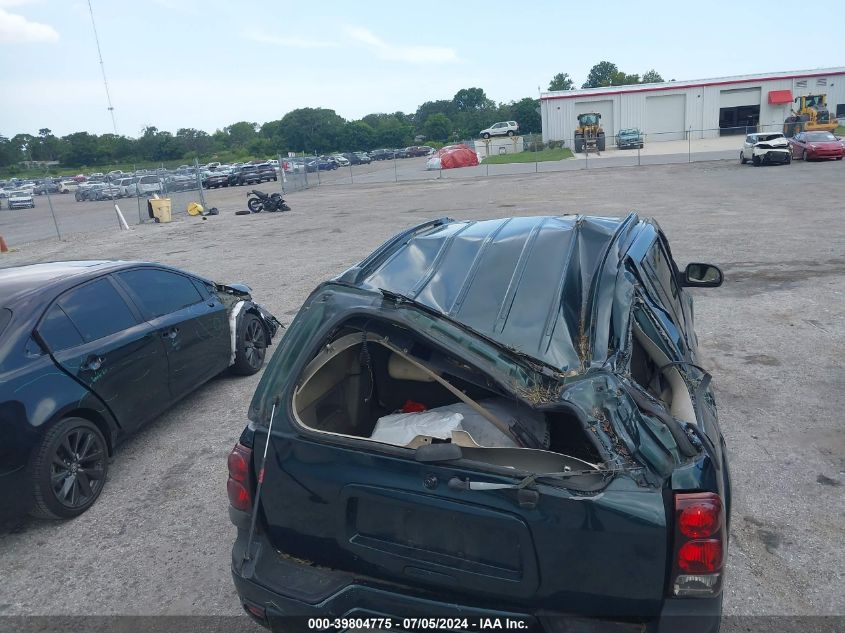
739	111
738	120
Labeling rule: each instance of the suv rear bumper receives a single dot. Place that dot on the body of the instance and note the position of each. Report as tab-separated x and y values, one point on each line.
290	591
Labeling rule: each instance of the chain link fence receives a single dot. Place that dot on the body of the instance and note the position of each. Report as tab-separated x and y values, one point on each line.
61	214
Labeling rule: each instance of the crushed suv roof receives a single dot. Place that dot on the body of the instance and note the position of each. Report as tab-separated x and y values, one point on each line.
525	282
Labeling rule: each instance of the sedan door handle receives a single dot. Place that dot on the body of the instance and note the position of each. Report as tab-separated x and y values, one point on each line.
92	363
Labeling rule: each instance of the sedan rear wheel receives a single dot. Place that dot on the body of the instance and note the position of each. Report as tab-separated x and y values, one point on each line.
68	469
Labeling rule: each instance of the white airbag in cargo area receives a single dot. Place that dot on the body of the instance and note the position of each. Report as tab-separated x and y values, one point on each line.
400	429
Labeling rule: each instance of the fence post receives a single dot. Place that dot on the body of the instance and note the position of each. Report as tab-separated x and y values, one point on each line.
137	197
199	182
282	177
52	211
689	145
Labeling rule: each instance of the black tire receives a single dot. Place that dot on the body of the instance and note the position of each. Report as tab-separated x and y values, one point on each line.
252	346
579	144
742	159
285	207
601	142
756	160
255	205
510	132
789	159
68	448
486	135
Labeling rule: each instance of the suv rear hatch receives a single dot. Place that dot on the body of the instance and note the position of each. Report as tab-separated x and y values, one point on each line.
454	517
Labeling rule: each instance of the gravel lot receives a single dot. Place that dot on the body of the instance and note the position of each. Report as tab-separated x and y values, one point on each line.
158	540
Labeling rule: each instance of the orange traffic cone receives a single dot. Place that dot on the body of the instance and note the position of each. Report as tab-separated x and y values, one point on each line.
3	247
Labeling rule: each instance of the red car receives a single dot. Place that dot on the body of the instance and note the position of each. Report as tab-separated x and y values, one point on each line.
816	145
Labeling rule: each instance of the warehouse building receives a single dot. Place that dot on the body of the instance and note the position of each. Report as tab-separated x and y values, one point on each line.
704	108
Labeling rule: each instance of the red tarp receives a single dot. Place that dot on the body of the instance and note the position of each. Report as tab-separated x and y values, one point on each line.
777	97
457	156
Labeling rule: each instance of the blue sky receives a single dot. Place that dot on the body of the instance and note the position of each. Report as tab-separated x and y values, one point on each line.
208	63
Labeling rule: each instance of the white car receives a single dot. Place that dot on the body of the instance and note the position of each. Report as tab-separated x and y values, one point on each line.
145	186
763	148
340	159
68	186
503	128
21	199
127	186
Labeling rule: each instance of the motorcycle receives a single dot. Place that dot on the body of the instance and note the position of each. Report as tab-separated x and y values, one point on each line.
258	201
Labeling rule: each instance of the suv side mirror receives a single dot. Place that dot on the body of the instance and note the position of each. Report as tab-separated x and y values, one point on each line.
699	275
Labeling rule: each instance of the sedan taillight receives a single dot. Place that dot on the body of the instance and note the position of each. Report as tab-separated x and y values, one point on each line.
699	545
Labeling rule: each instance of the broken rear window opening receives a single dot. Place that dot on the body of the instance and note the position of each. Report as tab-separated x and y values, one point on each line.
363	384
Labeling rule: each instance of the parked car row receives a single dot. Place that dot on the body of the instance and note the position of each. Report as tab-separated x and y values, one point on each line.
773	148
248	174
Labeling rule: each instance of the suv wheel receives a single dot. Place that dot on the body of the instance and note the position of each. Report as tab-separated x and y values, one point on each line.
486	135
510	132
742	159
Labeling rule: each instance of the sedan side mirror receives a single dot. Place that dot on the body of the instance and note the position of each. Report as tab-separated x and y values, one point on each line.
699	275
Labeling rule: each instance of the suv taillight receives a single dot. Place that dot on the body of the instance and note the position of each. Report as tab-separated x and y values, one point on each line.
700	540
238	484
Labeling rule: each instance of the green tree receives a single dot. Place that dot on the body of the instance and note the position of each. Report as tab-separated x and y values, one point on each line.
78	149
193	140
358	135
394	132
47	146
437	127
468	99
652	77
240	134
526	112
312	129
9	154
443	106
561	81
602	74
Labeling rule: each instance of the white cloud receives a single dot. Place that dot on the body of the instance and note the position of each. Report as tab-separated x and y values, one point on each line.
16	29
8	4
413	54
290	42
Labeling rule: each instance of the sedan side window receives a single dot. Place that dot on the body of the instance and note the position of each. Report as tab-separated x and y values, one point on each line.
58	331
159	291
97	310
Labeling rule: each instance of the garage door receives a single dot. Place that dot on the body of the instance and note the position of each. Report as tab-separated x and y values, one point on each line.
665	118
604	108
743	97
